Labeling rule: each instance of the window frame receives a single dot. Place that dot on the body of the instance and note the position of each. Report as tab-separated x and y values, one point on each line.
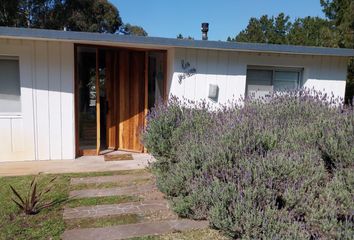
16	58
274	69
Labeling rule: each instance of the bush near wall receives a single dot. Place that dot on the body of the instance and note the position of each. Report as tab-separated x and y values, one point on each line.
275	169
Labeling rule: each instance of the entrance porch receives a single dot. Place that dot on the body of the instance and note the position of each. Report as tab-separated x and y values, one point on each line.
79	165
114	89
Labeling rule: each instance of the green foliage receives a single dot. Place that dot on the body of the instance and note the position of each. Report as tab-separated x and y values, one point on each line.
308	31
180	36
8	10
34	200
91	16
281	169
46	224
313	31
134	30
76	15
266	30
337	30
341	14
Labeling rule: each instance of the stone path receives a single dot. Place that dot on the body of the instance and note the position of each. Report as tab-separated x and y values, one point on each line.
133	230
107	179
117	191
156	216
115	209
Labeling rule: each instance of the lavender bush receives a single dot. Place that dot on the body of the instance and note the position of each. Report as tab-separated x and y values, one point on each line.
280	168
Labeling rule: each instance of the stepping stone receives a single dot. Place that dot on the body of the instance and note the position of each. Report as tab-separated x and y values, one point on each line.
107	179
133	230
144	207
105	192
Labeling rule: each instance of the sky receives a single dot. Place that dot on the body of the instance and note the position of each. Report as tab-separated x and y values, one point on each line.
168	18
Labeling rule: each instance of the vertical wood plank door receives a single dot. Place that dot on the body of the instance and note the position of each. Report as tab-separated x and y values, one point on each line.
111	122
131	99
98	105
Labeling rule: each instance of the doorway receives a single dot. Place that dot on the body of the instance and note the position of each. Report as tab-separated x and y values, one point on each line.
114	90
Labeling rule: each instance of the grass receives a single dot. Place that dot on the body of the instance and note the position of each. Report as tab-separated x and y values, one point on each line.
102	222
48	224
203	234
82	186
44	225
101	201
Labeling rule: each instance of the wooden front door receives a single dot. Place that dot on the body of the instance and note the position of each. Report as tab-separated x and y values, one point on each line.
131	104
111	99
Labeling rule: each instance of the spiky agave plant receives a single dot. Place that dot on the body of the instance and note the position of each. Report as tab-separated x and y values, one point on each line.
34	201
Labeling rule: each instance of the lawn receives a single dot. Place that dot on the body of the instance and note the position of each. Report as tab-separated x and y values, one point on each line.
45	225
49	224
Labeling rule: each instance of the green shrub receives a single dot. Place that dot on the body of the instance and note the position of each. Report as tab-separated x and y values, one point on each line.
277	169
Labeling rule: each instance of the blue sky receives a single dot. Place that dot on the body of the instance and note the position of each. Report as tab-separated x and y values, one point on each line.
168	18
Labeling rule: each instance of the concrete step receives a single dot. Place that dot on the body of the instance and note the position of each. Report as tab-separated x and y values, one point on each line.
133	230
143	207
108	179
105	192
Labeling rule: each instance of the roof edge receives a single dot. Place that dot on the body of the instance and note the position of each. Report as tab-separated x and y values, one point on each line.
43	34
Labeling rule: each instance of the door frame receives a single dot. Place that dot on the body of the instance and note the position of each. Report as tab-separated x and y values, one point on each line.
91	152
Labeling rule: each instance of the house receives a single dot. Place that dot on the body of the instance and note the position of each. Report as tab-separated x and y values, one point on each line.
65	94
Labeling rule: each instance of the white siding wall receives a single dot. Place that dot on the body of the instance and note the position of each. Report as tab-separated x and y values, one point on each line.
228	70
45	129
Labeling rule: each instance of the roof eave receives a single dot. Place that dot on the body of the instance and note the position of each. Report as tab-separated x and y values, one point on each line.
166	43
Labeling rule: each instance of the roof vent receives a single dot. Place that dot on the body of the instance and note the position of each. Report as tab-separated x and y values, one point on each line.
205	29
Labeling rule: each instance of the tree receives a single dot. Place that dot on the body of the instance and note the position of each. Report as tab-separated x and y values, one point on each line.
8	12
134	30
77	15
337	30
266	30
180	36
313	31
90	16
282	26
341	15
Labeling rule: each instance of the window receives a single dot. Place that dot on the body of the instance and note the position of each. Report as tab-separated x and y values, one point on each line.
261	81
286	80
10	92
